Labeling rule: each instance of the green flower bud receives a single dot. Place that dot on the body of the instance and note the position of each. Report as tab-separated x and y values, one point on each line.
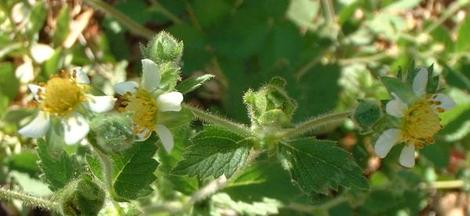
163	48
82	197
367	113
112	132
270	106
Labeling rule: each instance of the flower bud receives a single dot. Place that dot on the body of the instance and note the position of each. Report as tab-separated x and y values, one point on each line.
112	132
270	106
367	113
82	197
163	48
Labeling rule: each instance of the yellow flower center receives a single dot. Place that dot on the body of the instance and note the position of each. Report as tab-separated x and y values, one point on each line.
421	122
62	96
143	105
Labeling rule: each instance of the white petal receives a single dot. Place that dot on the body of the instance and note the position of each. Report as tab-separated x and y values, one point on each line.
38	127
143	135
81	76
19	12
124	87
447	102
25	72
170	101
75	128
420	82
396	108
407	156
150	75
99	104
386	141
41	52
35	89
166	137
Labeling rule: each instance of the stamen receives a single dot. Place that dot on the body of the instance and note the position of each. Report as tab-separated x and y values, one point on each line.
421	123
61	96
143	105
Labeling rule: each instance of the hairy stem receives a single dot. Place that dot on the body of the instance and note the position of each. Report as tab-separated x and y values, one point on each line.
217	120
29	200
315	123
130	24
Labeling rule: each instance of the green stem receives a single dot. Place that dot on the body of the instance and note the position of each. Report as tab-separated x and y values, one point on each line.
217	120
315	123
29	200
130	24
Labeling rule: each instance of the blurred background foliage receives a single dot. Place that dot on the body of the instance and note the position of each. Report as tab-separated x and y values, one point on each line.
329	51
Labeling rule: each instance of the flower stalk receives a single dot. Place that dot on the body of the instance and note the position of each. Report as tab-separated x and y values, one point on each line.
217	120
312	124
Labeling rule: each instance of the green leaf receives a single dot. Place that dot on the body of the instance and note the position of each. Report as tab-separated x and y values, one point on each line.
318	166
462	43
52	65
55	163
134	170
191	84
8	83
37	18
402	90
62	27
214	152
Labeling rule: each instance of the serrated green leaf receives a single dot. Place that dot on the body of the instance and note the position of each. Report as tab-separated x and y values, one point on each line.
318	166
191	84
214	152
55	163
402	90
134	170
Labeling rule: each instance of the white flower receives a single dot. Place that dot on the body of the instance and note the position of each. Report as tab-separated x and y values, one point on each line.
420	121
146	103
63	97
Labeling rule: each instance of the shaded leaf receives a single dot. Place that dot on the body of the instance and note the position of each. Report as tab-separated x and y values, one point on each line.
318	166
134	170
191	84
